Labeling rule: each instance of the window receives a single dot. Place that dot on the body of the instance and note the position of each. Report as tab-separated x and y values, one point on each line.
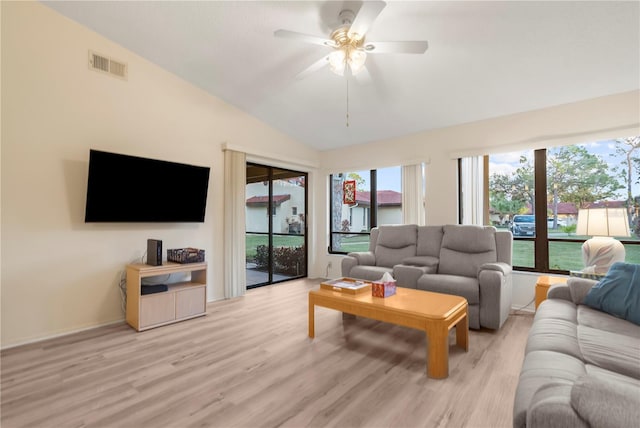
294	210
377	200
591	175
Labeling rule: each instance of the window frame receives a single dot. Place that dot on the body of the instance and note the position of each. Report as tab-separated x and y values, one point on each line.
541	239
373	218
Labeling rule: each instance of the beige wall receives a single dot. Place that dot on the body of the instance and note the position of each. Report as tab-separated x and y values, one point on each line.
58	273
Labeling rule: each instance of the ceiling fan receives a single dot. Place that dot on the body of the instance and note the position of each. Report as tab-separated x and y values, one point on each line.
348	42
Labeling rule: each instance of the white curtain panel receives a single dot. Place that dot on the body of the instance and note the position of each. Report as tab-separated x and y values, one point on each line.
235	274
472	191
413	194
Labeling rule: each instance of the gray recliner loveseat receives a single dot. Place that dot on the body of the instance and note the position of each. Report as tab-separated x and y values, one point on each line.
469	261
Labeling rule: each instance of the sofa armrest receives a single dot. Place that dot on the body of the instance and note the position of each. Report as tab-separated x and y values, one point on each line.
607	402
362	258
407	275
559	291
579	288
347	264
496	290
550	407
500	267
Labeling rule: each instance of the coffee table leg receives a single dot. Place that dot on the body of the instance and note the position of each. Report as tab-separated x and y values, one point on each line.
312	310
437	351
462	333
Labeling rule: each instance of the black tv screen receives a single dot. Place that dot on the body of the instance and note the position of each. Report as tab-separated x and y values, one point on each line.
125	188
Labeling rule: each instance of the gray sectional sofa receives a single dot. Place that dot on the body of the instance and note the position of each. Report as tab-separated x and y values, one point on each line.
581	366
469	261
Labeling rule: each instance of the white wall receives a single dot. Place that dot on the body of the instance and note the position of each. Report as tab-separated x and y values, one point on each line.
601	118
390	215
58	273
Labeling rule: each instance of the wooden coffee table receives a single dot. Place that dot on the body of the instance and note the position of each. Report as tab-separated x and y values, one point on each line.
433	313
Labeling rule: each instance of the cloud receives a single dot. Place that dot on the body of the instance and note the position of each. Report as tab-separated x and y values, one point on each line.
511	157
501	168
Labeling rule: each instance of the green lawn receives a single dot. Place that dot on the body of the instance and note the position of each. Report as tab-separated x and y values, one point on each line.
562	255
355	243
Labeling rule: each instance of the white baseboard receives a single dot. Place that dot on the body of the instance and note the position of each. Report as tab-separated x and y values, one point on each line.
65	333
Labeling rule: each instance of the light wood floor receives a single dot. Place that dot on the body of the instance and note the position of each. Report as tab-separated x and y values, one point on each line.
249	363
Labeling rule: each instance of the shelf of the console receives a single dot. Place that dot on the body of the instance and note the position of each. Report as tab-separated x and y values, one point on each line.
177	286
166	269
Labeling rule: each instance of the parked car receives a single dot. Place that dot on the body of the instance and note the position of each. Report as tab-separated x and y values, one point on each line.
561	222
523	225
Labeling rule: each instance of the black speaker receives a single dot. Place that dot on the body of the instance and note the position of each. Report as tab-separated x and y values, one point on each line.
154	252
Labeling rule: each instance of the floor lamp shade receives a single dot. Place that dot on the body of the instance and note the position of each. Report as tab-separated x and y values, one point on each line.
601	251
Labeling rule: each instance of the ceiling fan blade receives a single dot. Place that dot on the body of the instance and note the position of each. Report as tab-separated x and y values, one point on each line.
368	12
408	47
304	37
313	67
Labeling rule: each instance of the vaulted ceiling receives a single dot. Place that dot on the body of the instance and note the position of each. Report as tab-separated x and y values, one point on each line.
485	59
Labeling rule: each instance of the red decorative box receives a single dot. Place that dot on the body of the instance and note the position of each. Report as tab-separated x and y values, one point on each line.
383	289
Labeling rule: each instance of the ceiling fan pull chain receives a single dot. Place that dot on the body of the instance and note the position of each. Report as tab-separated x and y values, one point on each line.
347	79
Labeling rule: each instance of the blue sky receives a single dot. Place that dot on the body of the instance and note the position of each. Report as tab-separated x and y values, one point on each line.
388	178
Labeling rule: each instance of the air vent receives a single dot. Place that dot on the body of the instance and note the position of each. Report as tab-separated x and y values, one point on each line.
107	65
118	68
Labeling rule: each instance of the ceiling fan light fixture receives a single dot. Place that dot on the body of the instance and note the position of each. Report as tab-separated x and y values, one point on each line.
337	61
356	61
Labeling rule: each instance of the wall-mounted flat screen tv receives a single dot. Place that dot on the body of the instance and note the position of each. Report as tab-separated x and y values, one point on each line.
124	188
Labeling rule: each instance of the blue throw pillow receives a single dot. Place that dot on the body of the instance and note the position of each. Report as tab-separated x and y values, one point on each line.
618	293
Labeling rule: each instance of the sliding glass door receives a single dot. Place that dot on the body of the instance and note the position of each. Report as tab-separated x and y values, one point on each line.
275	225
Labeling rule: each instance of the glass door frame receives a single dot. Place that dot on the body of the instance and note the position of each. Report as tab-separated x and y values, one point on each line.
270	179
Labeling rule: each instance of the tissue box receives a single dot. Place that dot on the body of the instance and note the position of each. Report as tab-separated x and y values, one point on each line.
383	289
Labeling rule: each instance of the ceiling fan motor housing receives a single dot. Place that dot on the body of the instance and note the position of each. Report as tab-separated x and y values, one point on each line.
346	17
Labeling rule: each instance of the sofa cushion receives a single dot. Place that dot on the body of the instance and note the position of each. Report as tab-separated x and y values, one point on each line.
389	257
395	243
397	236
466	248
611	351
469	239
555	329
451	284
590	317
618	293
429	240
370	273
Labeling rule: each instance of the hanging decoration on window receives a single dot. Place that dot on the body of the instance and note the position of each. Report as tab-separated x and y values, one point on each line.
349	192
